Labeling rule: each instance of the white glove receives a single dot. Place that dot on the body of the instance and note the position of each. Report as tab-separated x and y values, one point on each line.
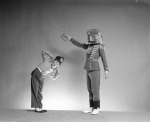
106	74
65	37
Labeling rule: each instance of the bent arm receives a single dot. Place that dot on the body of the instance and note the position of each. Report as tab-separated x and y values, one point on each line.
46	56
54	74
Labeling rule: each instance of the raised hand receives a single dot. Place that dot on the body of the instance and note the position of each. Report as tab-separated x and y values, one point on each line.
65	37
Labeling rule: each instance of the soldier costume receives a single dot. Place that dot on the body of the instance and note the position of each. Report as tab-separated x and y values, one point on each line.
48	66
95	49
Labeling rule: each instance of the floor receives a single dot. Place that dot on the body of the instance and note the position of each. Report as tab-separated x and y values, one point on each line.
20	115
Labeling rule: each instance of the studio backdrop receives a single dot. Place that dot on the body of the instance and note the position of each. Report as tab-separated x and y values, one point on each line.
26	29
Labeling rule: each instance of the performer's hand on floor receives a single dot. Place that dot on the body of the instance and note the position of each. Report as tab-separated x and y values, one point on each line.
65	37
106	74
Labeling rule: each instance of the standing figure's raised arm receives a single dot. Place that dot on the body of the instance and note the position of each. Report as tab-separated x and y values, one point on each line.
73	41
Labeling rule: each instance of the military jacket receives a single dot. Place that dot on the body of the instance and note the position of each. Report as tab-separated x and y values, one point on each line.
92	55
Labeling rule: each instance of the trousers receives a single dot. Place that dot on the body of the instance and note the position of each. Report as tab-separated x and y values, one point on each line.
37	83
93	84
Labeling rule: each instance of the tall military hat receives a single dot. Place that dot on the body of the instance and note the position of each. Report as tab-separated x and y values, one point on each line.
93	32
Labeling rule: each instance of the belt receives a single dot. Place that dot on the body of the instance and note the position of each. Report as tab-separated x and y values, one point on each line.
92	59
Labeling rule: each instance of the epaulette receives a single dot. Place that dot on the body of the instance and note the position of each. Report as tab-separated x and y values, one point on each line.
102	46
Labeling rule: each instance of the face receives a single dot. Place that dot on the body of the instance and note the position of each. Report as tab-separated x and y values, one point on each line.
55	64
94	38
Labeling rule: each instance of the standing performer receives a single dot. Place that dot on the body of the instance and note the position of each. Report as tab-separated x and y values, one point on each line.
95	49
49	65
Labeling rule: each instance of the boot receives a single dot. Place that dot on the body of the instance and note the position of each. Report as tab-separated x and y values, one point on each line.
91	107
96	108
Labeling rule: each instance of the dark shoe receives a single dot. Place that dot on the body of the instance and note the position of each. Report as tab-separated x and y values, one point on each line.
44	110
39	111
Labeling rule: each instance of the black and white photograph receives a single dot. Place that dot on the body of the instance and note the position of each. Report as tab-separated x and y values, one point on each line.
75	61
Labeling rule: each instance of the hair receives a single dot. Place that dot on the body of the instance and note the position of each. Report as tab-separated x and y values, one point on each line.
93	32
59	59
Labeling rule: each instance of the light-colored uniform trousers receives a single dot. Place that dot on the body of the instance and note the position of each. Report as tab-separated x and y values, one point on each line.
93	85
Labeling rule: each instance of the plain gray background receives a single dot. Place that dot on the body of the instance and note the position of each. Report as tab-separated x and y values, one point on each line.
26	29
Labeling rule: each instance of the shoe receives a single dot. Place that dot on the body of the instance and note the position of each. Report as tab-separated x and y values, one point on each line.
95	111
44	110
88	111
39	111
